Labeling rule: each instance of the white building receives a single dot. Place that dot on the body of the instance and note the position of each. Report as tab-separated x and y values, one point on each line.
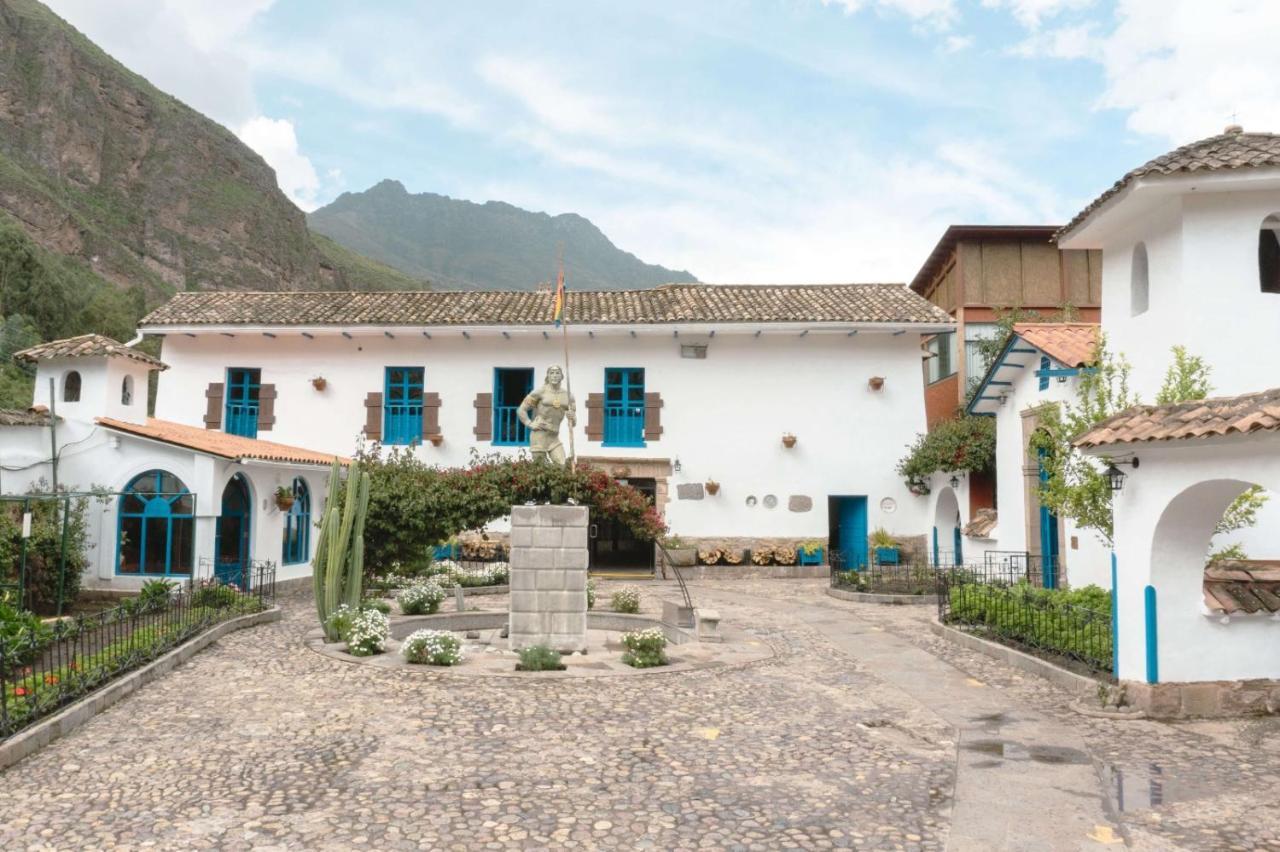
186	502
686	391
1191	257
1039	366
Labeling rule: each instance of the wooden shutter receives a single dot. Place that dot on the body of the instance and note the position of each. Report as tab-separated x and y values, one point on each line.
652	416
213	405
595	417
373	416
484	416
431	416
266	407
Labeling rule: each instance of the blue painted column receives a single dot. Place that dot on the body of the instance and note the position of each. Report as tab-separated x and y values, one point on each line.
1153	656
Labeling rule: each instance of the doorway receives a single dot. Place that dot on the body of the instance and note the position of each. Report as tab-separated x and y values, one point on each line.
847	525
613	549
231	545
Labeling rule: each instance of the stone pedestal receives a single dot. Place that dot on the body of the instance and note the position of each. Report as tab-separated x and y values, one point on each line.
549	577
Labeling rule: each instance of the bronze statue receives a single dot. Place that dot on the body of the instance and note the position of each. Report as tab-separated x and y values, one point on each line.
549	404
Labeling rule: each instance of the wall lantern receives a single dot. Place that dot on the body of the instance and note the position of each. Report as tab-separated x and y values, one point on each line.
1115	476
676	466
955	481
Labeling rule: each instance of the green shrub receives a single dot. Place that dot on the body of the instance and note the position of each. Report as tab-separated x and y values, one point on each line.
44	549
155	595
540	658
422	598
626	599
22	635
376	603
591	594
367	633
1068	622
432	648
645	648
339	620
211	593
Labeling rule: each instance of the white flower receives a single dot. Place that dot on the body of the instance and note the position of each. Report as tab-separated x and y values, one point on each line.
367	633
432	647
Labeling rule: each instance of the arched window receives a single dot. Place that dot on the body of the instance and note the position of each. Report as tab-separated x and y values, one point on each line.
297	525
1139	282
156	530
1269	254
71	387
126	391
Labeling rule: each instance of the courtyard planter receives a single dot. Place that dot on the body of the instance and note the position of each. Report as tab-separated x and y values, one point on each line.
887	556
682	557
812	557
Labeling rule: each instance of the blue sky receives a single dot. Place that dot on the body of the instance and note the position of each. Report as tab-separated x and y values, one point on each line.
767	141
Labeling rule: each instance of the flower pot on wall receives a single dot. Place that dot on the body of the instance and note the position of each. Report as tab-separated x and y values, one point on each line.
875	382
319	383
788	440
712	486
814	557
436	440
284	499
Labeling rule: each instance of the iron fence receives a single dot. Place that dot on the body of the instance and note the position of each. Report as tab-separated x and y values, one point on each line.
903	579
45	666
1034	569
999	600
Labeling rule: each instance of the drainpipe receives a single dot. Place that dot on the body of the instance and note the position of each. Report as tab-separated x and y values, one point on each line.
135	341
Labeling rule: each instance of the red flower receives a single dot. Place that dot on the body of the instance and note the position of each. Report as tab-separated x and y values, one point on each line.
19	690
50	680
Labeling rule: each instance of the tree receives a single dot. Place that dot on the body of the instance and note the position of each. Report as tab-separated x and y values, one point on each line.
964	443
1186	379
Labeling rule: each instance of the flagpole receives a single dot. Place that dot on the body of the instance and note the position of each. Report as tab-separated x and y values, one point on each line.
568	385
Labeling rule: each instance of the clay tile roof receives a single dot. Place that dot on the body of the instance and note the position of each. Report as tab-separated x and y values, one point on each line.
1235	586
1233	149
984	521
219	444
671	303
38	416
1071	344
1228	415
86	346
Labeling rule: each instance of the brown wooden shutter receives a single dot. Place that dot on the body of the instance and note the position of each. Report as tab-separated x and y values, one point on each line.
213	405
652	416
595	417
266	407
373	416
431	416
484	416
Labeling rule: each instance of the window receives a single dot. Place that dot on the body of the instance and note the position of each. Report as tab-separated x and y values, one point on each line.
156	531
510	386
624	407
941	364
126	391
402	406
1139	284
1269	255
1044	372
71	387
243	388
975	366
297	525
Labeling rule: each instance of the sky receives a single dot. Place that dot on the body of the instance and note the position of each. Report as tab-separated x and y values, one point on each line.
747	141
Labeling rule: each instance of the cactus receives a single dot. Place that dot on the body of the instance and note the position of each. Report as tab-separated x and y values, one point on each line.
338	565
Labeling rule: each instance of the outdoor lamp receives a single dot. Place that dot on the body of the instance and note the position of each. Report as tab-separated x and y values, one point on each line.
955	481
1115	476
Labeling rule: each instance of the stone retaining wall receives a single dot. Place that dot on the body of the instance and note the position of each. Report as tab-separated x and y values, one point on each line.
1209	699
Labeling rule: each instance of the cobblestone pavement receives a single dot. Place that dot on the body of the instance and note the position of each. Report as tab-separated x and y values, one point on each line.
259	742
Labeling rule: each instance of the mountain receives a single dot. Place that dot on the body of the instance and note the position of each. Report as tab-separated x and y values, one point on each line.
99	166
491	246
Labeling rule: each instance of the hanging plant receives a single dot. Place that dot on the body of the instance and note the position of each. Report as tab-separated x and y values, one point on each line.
712	486
285	498
319	383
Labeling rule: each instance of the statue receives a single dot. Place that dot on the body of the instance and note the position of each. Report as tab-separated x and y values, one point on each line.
549	404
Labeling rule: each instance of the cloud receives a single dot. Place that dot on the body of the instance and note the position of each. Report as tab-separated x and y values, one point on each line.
1074	42
276	142
956	43
940	14
1031	13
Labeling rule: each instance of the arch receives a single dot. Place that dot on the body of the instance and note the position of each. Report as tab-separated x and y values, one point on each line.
946	544
71	386
297	525
155	527
1139	282
232	536
1269	254
126	391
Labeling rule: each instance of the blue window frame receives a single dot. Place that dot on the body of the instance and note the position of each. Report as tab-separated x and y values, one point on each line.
624	407
510	386
155	530
402	405
1044	375
243	386
297	525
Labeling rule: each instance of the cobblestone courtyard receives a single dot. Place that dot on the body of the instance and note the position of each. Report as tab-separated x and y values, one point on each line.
261	743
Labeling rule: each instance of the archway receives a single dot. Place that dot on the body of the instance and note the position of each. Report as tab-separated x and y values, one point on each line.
297	525
231	544
947	541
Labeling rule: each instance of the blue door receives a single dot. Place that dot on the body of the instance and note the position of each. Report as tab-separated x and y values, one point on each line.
231	546
1048	540
850	517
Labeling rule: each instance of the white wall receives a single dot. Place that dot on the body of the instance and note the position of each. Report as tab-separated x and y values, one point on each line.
723	417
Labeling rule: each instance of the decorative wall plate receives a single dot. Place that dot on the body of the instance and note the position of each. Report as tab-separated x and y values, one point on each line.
751	501
888	505
770	501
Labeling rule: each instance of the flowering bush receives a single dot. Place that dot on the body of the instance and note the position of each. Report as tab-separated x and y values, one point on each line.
626	599
539	658
645	648
591	594
448	574
367	633
422	598
432	648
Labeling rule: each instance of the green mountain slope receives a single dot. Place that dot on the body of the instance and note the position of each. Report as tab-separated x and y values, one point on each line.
491	246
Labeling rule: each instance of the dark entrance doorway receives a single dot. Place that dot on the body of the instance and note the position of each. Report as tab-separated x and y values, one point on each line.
613	549
847	525
232	544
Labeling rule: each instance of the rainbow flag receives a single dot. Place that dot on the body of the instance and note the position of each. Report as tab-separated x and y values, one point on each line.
559	304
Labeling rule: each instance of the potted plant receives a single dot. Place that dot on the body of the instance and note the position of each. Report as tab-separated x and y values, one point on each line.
876	382
712	487
436	440
319	383
918	487
885	547
678	553
788	440
285	498
810	552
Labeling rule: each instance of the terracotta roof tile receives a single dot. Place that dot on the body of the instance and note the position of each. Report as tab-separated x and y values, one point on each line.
1228	415
213	443
25	416
672	303
1233	149
1242	586
86	346
1071	344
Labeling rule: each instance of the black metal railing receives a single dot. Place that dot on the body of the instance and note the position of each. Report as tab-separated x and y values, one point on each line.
1002	601
43	669
256	577
1034	569
903	579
